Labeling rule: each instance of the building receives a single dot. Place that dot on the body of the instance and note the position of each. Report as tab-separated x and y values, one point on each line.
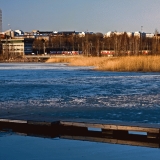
80	34
0	20
66	33
18	32
149	35
137	34
42	37
9	33
13	48
108	34
2	35
129	34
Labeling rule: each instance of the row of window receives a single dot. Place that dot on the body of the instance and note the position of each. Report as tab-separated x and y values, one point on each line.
13	49
26	45
13	45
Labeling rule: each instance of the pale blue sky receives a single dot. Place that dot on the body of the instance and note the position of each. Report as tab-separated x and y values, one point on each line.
81	15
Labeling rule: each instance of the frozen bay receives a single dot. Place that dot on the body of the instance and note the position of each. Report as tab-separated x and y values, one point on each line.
61	91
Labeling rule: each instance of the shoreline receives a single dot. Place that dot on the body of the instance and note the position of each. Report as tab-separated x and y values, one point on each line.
118	64
114	64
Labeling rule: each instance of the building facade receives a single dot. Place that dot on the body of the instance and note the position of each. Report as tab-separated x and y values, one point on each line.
13	48
0	20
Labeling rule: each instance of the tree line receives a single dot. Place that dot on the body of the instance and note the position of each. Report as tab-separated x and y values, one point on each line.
93	44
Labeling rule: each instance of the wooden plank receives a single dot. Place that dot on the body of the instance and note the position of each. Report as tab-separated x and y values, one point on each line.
94	125
4	120
140	129
151	131
91	125
78	124
112	127
86	121
39	123
13	121
18	121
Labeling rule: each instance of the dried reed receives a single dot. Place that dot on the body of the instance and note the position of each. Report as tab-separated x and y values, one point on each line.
129	63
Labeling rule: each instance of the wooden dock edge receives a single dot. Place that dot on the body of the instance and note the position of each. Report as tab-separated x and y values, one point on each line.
118	133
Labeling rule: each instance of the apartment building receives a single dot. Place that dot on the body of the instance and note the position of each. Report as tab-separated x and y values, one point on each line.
16	47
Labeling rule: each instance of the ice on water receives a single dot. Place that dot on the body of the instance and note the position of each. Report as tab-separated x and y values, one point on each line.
62	91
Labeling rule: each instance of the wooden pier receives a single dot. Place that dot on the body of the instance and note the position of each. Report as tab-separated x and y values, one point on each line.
147	135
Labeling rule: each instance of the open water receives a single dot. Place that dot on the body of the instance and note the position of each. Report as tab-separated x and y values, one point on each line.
60	91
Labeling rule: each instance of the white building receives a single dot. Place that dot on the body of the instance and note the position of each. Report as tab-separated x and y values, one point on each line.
108	34
19	32
137	34
149	35
118	33
129	34
81	34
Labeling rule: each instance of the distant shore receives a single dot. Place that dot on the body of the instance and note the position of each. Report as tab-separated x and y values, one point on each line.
22	60
120	64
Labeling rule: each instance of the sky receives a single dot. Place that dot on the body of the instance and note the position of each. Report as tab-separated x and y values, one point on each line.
81	15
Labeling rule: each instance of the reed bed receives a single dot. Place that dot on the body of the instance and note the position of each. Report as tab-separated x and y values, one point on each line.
123	64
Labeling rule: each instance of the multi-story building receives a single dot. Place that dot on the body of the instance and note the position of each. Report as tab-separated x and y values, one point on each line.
13	48
9	33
